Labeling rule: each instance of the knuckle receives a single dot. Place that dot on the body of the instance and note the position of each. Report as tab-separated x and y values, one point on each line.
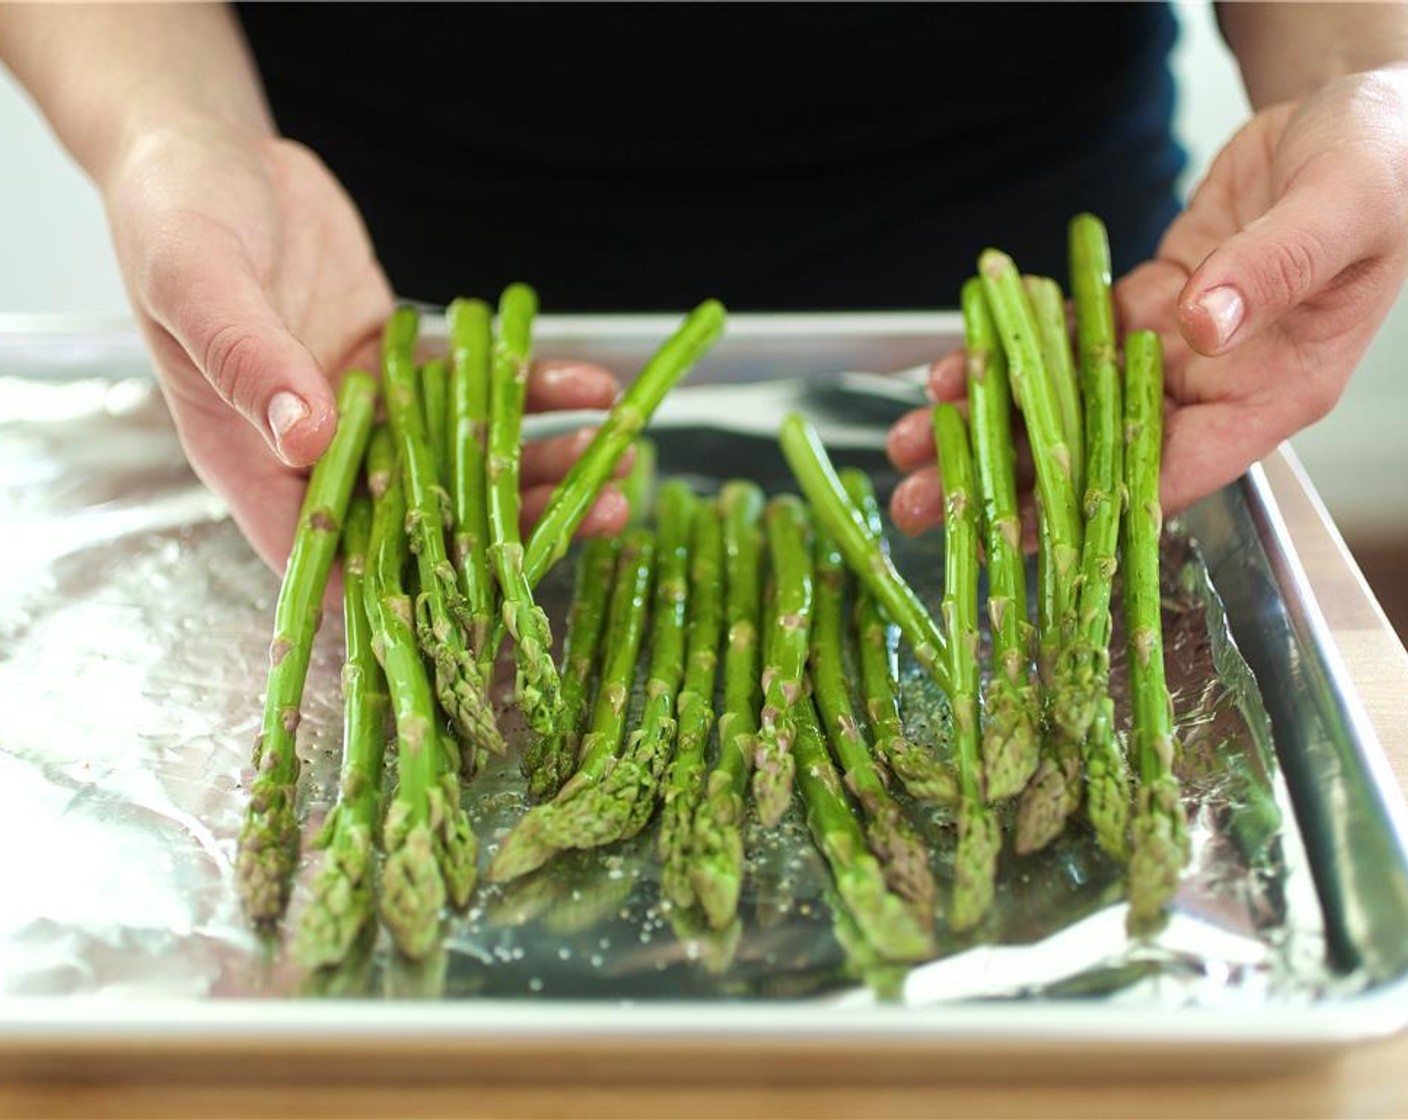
1289	270
231	364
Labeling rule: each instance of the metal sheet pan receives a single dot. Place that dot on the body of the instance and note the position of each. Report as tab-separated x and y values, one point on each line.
161	986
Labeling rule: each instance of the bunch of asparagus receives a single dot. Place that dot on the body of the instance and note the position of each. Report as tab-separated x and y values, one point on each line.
748	614
1043	730
436	574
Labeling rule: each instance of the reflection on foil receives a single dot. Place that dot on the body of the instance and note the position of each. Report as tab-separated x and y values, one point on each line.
133	632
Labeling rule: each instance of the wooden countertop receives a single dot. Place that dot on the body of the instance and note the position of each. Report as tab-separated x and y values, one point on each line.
1371	1081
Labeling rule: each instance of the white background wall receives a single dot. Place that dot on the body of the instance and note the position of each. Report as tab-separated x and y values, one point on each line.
55	257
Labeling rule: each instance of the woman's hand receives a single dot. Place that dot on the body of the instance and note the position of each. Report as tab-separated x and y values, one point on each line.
256	286
1267	290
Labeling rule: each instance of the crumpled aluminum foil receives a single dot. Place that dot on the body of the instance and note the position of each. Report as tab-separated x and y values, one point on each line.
134	625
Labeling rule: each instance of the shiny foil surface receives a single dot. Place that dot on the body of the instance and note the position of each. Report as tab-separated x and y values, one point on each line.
134	625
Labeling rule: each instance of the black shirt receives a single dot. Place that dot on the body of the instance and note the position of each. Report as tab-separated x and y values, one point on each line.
777	156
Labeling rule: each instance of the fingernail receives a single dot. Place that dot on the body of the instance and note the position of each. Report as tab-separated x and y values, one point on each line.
1223	305
285	410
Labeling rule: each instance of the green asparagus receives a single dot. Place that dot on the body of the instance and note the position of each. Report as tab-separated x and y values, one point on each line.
888	921
684	783
459	685
471	340
550	759
1049	309
716	870
784	671
1083	671
1160	844
892	839
979	837
925	776
1012	733
342	903
553	827
435	401
573	496
536	685
268	844
838	515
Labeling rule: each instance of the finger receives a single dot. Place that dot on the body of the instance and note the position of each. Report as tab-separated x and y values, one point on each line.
910	441
948	377
560	386
549	460
200	286
606	518
1328	221
918	502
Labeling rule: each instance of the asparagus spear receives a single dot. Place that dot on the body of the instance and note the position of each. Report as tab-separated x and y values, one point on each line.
925	777
1012	734
413	889
552	827
435	400
268	844
639	485
887	921
459	685
1053	793
573	496
684	783
784	670
1083	670
537	684
618	805
838	515
470	344
979	836
894	841
1054	338
1160	845
343	903
550	759
1032	383
716	872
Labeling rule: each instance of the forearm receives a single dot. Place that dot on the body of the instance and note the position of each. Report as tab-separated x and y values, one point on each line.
1288	50
105	75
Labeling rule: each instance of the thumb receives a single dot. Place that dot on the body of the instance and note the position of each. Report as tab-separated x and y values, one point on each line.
207	297
1323	225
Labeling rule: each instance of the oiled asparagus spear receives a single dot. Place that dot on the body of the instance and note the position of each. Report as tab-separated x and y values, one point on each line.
413	887
551	759
552	827
537	684
1083	670
343	901
838	515
1012	732
888	921
1049	307
268	845
784	671
716	871
471	340
979	836
573	496
1054	791
893	840
684	783
1032	383
619	804
1160	844
924	775
459	685
435	400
